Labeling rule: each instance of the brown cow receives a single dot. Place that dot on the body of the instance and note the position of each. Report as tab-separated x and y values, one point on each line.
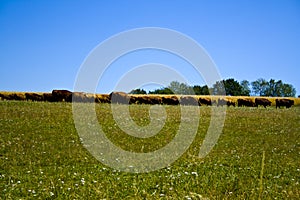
17	96
143	99
203	101
62	95
79	97
119	98
188	100
246	102
263	102
156	99
172	100
230	103
12	96
4	96
102	98
34	96
222	102
48	97
284	102
140	100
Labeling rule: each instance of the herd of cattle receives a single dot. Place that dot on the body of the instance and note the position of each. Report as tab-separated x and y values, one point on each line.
123	98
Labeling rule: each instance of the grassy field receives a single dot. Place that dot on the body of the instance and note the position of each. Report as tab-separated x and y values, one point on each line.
41	157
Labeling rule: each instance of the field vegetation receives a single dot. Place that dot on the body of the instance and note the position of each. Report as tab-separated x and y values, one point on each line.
41	156
105	97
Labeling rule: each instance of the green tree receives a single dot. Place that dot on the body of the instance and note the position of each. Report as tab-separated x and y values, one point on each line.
259	87
232	87
218	88
245	88
287	90
138	91
204	90
273	88
162	91
181	88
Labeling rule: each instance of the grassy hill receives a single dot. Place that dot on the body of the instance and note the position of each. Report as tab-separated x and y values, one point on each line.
41	156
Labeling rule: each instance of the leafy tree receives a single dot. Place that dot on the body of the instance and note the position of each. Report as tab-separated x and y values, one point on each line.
138	91
180	88
287	90
272	88
232	87
204	90
162	91
245	88
218	88
259	87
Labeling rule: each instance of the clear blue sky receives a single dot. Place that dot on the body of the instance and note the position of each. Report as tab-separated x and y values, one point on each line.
43	43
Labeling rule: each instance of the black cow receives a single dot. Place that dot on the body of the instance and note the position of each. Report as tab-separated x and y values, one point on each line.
48	97
262	102
82	97
172	100
140	100
223	102
156	99
102	98
245	102
34	96
230	103
203	101
143	99
188	100
284	102
62	95
119	98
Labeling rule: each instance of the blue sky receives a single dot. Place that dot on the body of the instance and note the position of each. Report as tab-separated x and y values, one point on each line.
44	43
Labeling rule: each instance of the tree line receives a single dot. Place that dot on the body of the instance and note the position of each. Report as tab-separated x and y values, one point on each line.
232	87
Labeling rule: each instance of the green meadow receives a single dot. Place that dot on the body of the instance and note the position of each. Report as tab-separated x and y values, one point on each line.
41	156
